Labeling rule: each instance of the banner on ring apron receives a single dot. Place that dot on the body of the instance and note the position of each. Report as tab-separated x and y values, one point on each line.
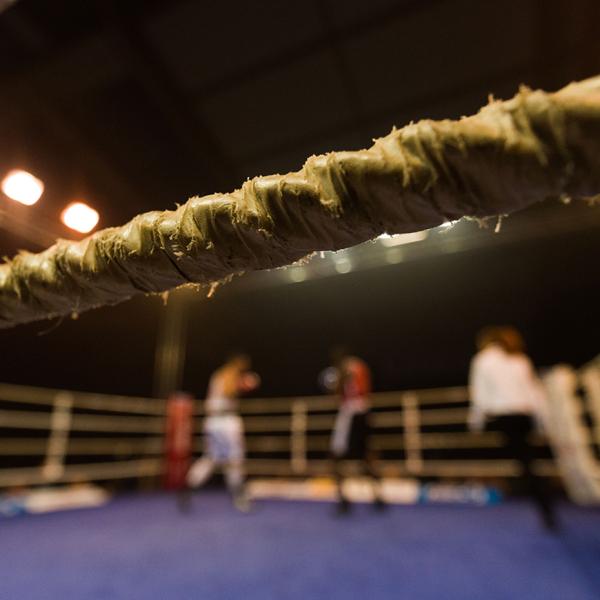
178	439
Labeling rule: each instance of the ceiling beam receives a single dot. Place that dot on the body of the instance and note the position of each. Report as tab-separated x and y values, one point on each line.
348	81
321	42
527	72
211	163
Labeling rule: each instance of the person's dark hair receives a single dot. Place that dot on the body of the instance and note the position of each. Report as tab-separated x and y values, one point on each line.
507	337
512	341
240	357
488	335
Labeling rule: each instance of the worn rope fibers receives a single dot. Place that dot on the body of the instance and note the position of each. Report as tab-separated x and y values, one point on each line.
510	155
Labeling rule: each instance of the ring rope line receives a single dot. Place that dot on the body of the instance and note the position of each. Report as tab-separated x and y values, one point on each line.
46	396
260	443
150	467
145	467
511	154
19	394
85	447
13	419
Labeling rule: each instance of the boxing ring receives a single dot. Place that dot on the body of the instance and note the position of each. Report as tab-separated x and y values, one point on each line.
511	155
140	546
62	436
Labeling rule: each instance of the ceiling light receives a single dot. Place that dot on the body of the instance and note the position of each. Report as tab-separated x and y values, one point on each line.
297	274
23	187
448	224
343	265
402	238
80	217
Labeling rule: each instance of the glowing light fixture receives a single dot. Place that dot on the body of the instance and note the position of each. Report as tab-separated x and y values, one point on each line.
80	217
394	256
402	238
297	274
343	265
449	224
22	186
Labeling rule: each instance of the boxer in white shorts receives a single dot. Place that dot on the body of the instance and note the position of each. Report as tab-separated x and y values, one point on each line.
224	429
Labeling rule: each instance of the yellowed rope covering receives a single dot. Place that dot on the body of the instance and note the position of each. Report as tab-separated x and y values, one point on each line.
511	154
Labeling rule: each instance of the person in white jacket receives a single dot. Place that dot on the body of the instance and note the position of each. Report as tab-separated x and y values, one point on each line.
507	396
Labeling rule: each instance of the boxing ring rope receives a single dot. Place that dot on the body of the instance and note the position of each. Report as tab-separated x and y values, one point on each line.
126	435
45	396
135	469
590	378
510	155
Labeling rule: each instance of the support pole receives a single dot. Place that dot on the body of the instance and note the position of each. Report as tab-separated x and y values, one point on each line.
58	440
298	437
171	345
412	433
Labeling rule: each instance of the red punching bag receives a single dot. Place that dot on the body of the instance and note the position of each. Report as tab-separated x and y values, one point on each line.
178	439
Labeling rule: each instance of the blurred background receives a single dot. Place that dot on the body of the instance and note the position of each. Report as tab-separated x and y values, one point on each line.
134	106
111	108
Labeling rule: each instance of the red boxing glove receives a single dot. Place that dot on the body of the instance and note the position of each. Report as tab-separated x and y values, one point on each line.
249	381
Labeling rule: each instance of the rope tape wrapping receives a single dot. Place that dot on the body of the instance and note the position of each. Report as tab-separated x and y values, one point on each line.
508	156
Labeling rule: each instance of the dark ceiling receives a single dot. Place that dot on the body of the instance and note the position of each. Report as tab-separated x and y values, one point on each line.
138	105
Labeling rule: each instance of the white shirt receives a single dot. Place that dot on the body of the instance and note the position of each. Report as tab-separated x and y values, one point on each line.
217	402
501	383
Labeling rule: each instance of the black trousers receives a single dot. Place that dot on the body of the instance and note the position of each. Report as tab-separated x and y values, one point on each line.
357	450
517	428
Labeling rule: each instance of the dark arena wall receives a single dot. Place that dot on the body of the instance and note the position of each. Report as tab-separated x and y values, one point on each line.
432	308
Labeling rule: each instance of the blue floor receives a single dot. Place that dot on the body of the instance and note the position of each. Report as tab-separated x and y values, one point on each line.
140	547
